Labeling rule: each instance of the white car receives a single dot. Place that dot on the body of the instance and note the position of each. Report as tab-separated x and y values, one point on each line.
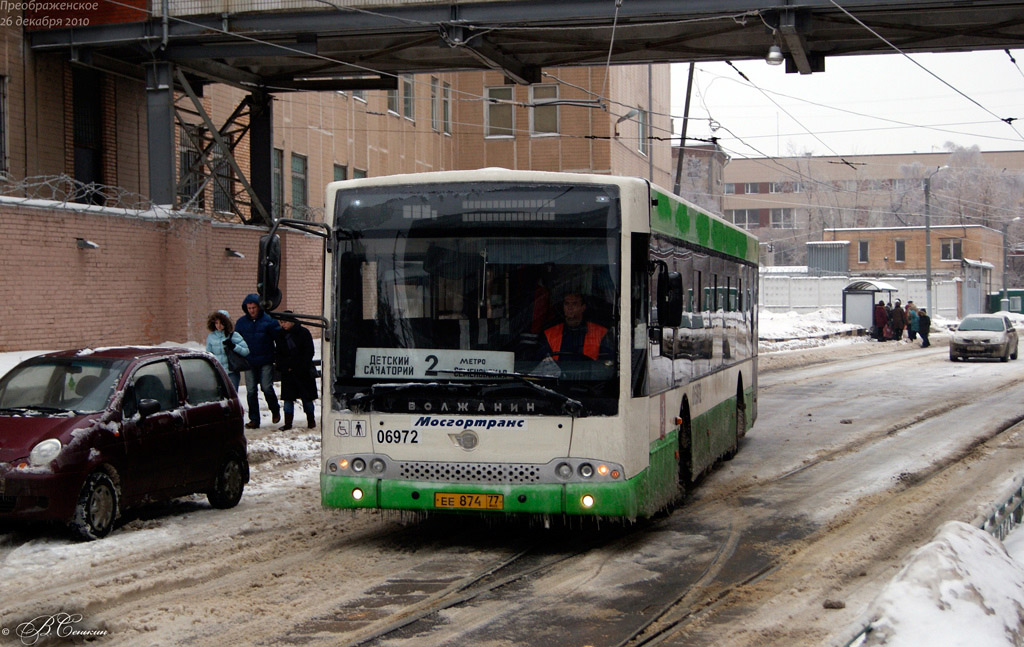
984	336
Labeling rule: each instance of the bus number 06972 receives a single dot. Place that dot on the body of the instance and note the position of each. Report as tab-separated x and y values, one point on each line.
394	436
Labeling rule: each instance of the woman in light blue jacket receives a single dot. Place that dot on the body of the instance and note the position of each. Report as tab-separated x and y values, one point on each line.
222	336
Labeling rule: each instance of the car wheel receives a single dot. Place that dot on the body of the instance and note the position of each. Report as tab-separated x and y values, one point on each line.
952	357
228	486
1006	355
1014	354
96	510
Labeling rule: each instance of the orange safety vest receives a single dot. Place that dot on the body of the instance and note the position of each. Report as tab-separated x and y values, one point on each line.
591	341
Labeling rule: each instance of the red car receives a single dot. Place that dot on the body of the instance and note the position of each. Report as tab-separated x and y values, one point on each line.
85	434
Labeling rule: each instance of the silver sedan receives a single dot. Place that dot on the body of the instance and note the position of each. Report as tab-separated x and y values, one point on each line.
981	335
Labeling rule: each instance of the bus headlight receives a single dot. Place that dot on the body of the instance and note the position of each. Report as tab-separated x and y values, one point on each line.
587	501
357	494
377	466
586	470
358	465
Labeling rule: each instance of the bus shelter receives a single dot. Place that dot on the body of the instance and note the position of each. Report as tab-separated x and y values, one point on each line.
859	299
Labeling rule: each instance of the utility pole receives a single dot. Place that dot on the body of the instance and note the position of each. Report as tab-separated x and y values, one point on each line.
682	135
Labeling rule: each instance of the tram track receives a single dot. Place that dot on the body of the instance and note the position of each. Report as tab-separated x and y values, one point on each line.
449	590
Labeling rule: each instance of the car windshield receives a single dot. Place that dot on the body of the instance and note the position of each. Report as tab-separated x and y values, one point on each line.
58	385
991	324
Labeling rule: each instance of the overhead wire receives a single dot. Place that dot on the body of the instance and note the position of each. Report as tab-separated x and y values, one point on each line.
1008	120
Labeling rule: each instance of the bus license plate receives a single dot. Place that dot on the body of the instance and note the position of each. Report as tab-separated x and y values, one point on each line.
457	501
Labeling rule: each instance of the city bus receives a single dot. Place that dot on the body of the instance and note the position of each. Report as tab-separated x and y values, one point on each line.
521	342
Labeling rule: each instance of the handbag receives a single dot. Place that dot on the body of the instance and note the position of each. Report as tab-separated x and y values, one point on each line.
236	363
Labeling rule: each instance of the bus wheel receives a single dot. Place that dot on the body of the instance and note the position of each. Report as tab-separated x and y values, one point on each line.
741	430
685	453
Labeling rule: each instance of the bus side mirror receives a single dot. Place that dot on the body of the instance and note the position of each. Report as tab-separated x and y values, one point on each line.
670	298
268	273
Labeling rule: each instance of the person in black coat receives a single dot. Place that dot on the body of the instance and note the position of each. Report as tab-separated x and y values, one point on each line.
294	361
923	323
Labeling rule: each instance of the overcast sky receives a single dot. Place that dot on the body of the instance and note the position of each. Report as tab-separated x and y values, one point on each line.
859	105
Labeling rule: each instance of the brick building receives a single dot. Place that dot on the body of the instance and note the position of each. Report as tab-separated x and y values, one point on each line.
790	201
156	274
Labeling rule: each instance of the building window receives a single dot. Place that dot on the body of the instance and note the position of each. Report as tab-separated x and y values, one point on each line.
359	94
782	219
300	173
446	109
776	187
223	182
751	187
393	101
358	174
900	252
745	218
499	113
862	251
729	188
340	172
190	168
408	98
643	142
952	249
435	105
544	116
277	184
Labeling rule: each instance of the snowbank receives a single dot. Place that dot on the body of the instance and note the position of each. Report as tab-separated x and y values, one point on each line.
960	590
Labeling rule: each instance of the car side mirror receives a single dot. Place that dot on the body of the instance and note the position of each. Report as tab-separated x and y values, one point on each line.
670	298
268	273
148	407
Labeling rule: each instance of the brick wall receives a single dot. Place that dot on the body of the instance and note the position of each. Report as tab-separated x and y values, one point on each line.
152	279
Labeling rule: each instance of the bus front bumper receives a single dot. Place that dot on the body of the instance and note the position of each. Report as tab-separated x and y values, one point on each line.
621	499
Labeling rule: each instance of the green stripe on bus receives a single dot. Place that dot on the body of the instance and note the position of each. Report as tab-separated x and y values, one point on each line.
680	220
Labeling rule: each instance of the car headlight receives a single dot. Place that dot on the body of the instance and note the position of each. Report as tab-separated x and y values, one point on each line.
44	452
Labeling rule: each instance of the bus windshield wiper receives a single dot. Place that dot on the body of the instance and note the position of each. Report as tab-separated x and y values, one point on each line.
570	406
367	398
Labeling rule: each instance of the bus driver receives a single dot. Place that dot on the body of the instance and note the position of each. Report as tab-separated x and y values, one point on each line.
576	338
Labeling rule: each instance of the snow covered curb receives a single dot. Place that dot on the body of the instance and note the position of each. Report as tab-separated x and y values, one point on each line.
961	589
965	572
857	332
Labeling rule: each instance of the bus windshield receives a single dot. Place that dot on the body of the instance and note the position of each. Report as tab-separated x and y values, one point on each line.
478	297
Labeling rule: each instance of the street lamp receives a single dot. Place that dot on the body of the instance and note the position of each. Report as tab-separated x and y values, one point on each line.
928	237
1004	301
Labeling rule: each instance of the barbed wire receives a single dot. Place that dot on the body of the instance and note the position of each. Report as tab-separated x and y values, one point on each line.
66	189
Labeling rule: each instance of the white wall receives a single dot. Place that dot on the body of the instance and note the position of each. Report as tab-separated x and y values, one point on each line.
810	293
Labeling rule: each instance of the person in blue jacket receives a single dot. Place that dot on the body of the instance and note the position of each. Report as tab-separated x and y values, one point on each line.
223	337
259	330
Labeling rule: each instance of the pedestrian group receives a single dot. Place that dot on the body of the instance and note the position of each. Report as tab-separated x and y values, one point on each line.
890	320
257	344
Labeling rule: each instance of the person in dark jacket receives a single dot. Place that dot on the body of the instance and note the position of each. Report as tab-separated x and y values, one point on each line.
897	320
259	330
294	361
881	318
924	322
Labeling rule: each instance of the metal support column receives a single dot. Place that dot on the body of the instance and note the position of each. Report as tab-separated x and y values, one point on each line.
160	131
261	152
